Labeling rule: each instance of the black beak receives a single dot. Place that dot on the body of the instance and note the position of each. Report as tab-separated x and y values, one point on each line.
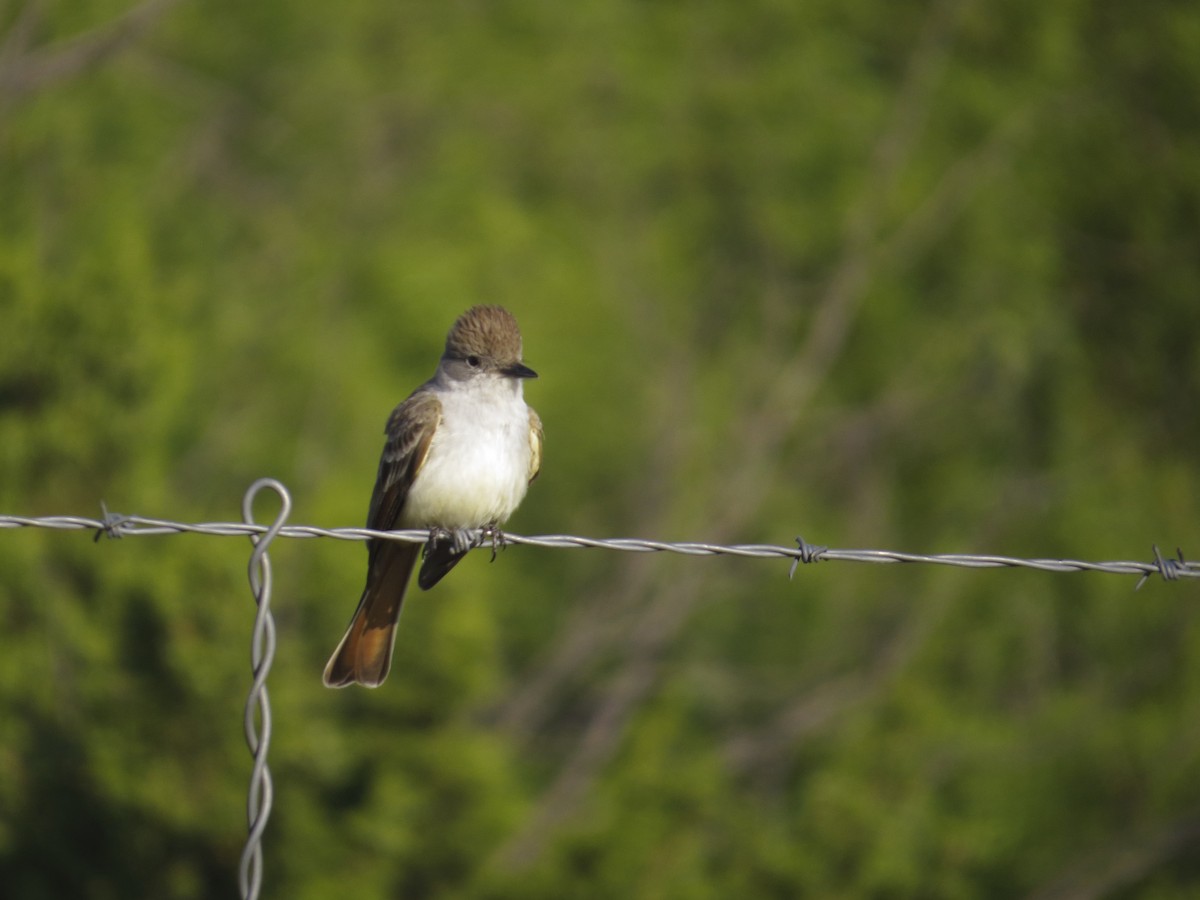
519	370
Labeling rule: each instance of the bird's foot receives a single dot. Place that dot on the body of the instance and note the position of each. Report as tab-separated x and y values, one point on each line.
495	535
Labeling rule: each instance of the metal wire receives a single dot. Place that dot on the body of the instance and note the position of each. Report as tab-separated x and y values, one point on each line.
116	526
258	707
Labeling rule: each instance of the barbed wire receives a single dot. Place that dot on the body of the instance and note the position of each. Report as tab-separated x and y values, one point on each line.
114	525
257	723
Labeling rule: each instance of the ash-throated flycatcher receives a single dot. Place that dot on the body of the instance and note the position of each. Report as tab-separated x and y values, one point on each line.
460	454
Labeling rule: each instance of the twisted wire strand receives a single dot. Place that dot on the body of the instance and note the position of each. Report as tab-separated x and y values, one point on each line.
257	720
116	526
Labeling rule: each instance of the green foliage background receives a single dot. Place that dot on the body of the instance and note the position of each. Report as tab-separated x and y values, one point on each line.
914	275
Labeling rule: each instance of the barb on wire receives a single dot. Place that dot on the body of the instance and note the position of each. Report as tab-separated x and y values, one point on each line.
258	706
1170	569
111	524
806	553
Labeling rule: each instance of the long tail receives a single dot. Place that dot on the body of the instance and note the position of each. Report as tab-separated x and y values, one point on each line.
365	653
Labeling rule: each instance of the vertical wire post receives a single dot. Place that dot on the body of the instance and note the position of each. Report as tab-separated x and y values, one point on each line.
258	707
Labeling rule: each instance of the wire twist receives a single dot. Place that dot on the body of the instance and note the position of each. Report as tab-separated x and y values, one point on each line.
258	707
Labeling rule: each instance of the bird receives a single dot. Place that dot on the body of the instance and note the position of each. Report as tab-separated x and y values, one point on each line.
459	455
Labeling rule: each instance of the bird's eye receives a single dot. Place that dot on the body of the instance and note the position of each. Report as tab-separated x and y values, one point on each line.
473	362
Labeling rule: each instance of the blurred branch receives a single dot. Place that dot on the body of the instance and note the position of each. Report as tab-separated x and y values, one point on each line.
24	70
852	275
653	632
20	35
603	732
760	755
959	184
1125	862
596	625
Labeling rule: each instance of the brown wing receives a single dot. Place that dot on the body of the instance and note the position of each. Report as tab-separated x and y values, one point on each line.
536	436
409	434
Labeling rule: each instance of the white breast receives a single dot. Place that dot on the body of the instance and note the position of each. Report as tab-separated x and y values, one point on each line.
477	470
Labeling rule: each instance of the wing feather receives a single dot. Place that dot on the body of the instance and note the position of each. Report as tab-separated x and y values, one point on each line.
536	437
409	433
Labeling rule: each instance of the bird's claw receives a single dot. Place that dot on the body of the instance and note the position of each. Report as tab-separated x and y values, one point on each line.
463	540
496	536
